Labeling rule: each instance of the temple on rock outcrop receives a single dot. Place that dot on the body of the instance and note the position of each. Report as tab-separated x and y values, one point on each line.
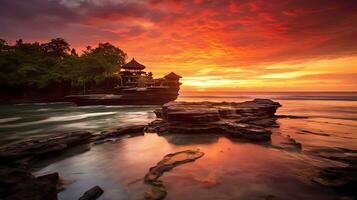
132	74
134	86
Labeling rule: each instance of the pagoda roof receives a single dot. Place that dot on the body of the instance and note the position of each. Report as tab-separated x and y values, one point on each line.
133	64
172	75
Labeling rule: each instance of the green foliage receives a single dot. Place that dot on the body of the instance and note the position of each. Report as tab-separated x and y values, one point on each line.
57	47
102	62
35	65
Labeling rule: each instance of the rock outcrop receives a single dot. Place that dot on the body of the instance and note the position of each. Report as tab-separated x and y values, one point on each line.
247	120
45	145
17	183
40	146
16	180
170	161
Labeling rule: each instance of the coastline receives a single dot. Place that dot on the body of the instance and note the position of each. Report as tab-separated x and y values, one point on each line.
283	142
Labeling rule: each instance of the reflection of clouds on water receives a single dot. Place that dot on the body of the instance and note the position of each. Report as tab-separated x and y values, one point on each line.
189	139
228	170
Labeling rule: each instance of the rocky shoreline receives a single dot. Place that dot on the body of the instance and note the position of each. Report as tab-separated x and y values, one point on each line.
16	180
250	121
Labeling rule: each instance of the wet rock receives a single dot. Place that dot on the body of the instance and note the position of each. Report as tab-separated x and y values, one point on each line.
92	194
156	126
257	107
133	130
155	193
343	179
192	139
246	131
19	183
16	181
169	162
248	120
266	122
291	117
272	197
40	146
314	133
190	112
286	143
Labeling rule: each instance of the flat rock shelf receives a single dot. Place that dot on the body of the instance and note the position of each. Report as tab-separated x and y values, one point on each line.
249	120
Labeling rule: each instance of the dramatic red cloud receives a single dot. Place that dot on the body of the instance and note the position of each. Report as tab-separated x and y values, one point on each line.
215	45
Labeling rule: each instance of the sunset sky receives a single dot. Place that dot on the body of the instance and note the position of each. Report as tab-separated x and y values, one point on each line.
218	45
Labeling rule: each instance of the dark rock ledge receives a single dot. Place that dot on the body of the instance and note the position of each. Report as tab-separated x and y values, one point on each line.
247	120
16	159
170	161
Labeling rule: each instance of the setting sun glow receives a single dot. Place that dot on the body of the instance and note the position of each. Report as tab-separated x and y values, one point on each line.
216	45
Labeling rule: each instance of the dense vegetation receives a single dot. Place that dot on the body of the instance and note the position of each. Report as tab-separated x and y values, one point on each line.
52	70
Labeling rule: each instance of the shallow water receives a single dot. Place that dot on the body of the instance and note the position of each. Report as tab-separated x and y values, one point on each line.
230	169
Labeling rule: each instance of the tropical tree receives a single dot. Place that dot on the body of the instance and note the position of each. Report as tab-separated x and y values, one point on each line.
35	66
103	61
58	47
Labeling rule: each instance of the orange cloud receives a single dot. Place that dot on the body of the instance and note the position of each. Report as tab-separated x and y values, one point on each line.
215	45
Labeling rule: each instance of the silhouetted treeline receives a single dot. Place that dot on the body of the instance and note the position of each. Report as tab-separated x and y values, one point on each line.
49	71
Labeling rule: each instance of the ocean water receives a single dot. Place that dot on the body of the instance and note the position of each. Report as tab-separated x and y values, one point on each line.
26	120
230	169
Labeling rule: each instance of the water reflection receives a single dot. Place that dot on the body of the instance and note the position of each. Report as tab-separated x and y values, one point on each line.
182	140
229	170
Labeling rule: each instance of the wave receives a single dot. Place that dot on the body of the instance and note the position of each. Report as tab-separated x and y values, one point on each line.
77	117
10	119
59	119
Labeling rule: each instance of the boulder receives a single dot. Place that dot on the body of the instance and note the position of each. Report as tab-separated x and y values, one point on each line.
92	194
